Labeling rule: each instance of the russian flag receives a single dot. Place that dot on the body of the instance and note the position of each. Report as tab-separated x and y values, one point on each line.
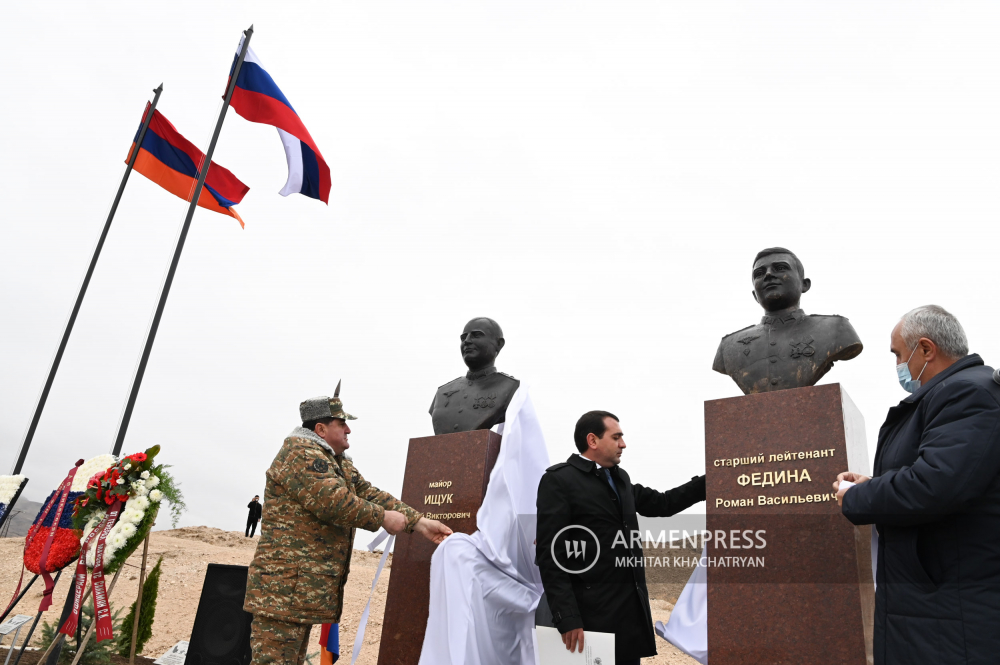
172	162
257	98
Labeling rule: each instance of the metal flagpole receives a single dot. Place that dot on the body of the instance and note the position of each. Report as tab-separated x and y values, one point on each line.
83	290
202	174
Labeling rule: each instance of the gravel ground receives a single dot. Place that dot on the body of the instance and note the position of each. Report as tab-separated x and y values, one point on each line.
187	552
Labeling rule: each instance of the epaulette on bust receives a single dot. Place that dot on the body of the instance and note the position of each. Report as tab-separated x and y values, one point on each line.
752	325
450	382
507	375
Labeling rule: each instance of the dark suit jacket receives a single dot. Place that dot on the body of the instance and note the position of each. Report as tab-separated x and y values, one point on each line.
255	511
607	598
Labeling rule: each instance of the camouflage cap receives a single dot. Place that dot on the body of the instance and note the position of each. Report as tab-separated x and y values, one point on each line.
324	407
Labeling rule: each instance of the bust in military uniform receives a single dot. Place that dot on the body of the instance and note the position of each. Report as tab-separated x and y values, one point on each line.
479	399
788	348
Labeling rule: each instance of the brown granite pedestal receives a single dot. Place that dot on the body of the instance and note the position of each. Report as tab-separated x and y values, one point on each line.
806	596
446	478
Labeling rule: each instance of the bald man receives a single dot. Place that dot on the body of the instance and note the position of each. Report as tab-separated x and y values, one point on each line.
479	399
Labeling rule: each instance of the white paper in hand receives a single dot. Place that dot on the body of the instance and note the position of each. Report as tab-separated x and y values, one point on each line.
844	484
598	648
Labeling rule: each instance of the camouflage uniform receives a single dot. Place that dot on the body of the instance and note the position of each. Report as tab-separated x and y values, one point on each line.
313	502
274	641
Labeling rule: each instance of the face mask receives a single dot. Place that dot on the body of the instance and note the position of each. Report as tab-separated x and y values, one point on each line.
909	384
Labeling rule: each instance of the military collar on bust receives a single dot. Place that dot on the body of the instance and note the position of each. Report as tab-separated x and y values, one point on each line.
791	317
478	374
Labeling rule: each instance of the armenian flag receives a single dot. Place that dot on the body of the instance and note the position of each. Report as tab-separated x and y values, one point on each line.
172	162
257	98
329	643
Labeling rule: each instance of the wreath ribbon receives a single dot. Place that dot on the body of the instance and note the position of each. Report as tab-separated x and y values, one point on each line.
63	494
80	579
44	558
102	611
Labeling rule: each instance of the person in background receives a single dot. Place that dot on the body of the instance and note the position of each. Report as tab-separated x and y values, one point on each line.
934	498
254	516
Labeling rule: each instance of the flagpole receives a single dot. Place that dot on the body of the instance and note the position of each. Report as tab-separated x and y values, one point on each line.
202	174
83	290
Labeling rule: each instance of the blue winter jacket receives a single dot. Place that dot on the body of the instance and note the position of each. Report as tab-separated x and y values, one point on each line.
935	501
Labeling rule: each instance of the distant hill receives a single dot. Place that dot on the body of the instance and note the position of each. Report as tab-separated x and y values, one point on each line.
22	515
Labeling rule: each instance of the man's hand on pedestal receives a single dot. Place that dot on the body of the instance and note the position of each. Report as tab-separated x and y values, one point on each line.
572	638
432	530
394	522
850	477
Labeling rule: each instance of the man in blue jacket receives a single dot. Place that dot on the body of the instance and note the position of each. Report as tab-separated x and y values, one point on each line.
935	501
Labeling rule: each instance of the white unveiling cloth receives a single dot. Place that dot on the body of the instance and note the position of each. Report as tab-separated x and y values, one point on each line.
485	586
687	628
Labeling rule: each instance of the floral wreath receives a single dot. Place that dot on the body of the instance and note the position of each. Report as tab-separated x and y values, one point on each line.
10	487
132	481
115	513
66	539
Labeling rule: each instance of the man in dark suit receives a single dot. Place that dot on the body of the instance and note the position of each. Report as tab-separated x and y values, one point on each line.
589	551
253	516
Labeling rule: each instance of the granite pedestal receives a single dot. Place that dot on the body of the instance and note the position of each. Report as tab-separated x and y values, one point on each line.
791	579
446	478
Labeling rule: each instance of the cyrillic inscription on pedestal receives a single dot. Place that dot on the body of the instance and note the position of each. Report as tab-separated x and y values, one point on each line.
771	459
446	478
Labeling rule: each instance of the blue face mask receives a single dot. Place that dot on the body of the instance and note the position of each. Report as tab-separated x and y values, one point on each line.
909	384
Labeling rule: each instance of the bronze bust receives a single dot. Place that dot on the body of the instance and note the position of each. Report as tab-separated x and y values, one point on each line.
479	399
788	348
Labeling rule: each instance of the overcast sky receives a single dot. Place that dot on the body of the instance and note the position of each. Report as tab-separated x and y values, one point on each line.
597	177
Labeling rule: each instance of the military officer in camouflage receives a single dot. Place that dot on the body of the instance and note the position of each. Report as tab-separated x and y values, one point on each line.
314	499
479	399
788	348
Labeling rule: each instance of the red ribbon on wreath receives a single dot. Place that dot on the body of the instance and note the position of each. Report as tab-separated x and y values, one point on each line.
62	494
80	578
102	612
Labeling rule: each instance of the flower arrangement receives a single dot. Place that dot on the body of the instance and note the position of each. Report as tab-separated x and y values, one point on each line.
9	488
89	468
66	539
132	480
114	513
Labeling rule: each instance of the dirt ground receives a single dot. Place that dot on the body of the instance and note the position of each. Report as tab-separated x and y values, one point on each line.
32	657
187	552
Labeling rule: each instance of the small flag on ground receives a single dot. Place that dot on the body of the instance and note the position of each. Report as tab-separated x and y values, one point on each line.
172	162
258	99
329	643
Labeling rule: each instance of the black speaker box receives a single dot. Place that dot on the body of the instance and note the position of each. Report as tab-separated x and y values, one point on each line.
221	634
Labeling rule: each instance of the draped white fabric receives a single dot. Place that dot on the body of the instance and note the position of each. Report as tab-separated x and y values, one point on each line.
687	628
485	587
